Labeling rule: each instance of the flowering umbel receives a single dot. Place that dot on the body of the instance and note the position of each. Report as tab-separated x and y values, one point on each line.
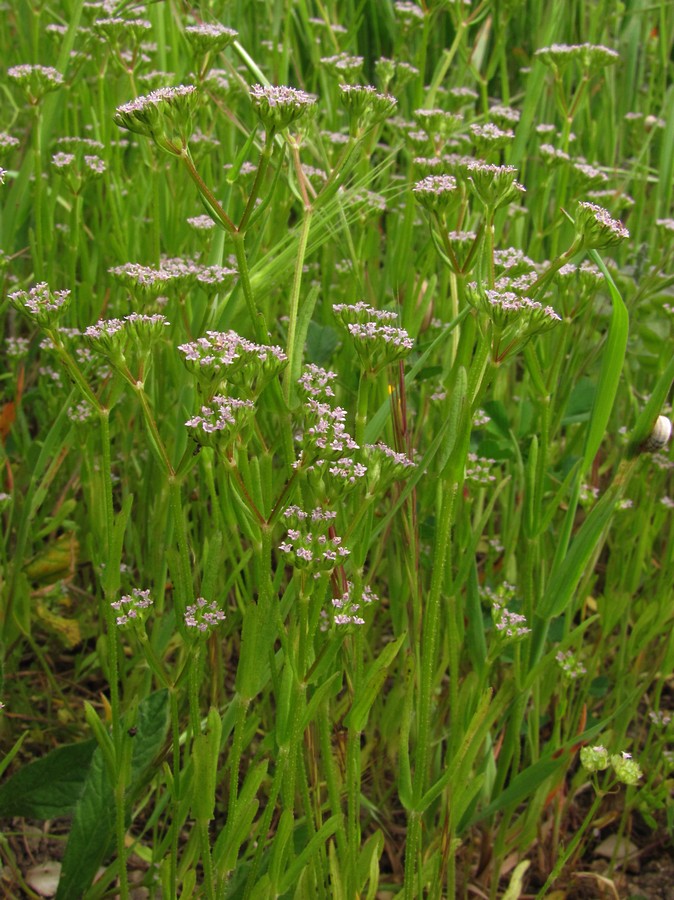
165	116
36	80
377	342
513	319
41	303
279	107
597	228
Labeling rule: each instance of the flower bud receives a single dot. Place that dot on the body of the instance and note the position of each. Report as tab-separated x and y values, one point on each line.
627	770
594	759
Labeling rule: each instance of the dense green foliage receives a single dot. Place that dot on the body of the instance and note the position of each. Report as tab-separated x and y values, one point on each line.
330	505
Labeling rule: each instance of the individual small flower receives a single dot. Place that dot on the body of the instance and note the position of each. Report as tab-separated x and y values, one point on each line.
279	107
36	81
626	769
594	759
41	304
132	608
597	228
207	37
347	609
164	115
203	616
570	666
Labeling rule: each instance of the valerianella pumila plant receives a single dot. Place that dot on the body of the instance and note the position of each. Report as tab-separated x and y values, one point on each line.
317	433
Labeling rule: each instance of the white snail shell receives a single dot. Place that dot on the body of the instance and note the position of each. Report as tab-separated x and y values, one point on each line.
662	431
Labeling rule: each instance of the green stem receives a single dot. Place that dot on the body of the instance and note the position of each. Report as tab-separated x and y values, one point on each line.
361	410
235	756
184	593
257	318
206	860
262	166
213	204
447	60
38	198
194	682
113	660
155	439
295	302
568	851
176	798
